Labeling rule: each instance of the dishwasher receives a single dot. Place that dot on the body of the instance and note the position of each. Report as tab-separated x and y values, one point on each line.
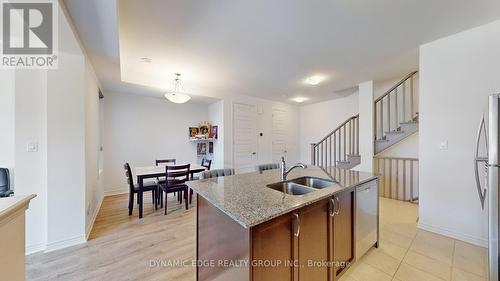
366	217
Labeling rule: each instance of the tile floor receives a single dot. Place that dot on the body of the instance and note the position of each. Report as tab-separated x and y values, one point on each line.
409	254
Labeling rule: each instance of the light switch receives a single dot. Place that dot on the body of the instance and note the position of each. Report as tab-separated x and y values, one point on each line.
443	145
32	146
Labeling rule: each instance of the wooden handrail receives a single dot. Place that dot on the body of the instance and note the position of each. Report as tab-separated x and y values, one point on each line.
395	86
336	129
395	158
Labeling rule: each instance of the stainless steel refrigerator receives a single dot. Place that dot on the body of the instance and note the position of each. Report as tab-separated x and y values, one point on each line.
488	137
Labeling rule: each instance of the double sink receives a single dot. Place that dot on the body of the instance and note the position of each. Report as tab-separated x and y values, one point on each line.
301	186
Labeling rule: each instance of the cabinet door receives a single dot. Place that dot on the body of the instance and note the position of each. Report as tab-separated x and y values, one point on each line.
343	231
275	241
314	242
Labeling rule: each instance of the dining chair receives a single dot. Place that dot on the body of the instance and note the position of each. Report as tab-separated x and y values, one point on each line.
163	162
265	167
207	163
159	162
176	177
134	188
5	183
217	173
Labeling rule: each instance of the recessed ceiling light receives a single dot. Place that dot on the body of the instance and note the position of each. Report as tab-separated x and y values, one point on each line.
148	60
314	80
300	99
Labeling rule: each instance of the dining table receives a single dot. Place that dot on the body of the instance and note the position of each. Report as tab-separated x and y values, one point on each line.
152	172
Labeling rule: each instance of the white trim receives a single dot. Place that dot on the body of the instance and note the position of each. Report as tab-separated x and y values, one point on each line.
94	216
478	241
57	245
31	249
115	191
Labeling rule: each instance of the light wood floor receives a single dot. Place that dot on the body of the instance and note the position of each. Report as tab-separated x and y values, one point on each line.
122	247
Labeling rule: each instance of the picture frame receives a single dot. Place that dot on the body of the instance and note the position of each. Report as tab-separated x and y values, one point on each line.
211	147
204	130
213	132
193	131
201	148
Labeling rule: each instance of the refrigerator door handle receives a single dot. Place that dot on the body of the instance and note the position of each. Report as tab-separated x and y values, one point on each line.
477	160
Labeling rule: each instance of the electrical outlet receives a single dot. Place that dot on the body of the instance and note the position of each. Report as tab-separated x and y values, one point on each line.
32	146
443	145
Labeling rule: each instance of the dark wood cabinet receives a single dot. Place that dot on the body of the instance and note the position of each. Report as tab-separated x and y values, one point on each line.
314	242
275	242
343	231
318	239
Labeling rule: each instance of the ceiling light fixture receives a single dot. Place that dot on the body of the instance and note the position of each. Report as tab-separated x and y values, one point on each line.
314	80
178	95
300	99
148	60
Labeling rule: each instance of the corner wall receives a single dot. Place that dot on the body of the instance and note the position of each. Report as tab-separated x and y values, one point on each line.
319	119
457	73
140	129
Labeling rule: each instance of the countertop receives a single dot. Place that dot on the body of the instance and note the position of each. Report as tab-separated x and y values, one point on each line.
10	205
246	199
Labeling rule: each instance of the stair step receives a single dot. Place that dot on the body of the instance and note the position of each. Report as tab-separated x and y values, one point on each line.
408	122
382	140
395	132
353	155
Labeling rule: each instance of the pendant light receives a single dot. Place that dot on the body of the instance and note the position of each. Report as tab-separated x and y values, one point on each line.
178	95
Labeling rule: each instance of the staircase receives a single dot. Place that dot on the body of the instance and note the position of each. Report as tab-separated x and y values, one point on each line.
340	148
396	114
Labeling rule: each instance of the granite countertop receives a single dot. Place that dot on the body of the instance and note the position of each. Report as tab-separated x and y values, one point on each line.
246	199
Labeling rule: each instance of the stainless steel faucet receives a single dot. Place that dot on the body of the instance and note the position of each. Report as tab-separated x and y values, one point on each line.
284	172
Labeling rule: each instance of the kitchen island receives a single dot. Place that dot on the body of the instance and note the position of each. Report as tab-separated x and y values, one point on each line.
249	229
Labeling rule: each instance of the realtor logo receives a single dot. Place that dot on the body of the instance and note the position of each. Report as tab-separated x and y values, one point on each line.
29	30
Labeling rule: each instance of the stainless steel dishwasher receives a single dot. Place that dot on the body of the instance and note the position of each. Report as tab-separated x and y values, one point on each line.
366	217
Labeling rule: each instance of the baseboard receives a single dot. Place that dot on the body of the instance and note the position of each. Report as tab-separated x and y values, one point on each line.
31	249
94	216
115	192
57	245
455	235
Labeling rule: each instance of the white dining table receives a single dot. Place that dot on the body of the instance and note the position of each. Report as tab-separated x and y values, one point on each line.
149	172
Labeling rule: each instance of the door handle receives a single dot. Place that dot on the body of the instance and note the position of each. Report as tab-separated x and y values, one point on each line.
338	205
253	153
477	160
332	207
297	222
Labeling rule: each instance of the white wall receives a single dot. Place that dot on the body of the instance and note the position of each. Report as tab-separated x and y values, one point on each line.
366	126
50	110
264	126
457	73
216	118
7	114
66	152
319	119
93	181
31	167
140	129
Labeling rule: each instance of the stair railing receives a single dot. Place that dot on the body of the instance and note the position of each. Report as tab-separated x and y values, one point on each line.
398	177
395	106
338	145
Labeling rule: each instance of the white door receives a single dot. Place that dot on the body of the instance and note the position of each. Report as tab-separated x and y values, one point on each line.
244	138
279	139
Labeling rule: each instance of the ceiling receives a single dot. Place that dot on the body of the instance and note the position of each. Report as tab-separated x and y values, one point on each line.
263	48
